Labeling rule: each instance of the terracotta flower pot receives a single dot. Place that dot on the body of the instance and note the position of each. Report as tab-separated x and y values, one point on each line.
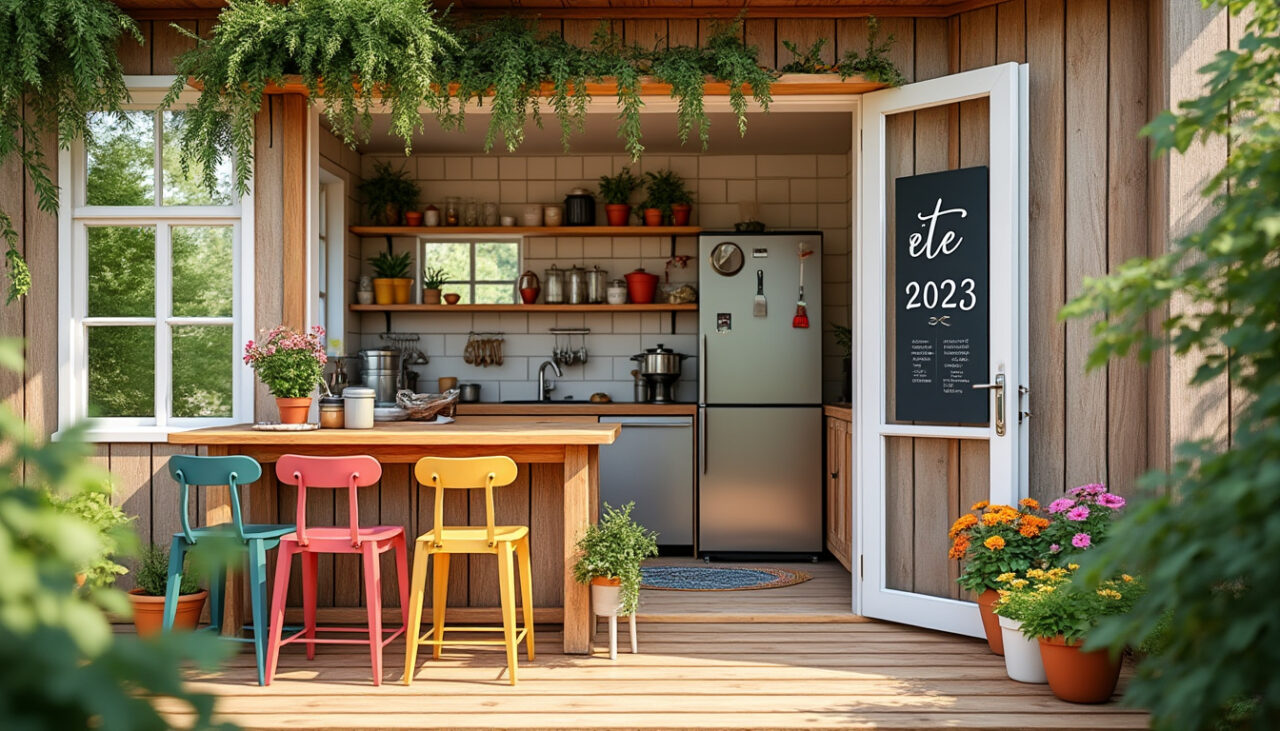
653	216
617	213
641	286
401	290
680	214
384	291
606	596
413	218
430	296
990	622
1077	676
148	612
293	410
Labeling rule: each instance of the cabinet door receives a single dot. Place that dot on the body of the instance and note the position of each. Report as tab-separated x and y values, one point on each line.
837	478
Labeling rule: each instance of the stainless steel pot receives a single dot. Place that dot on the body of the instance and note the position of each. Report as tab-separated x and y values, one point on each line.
470	392
380	370
659	360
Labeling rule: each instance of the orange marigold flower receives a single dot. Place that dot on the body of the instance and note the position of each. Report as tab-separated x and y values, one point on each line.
962	524
959	548
1030	531
1028	502
980	505
990	519
1035	520
995	543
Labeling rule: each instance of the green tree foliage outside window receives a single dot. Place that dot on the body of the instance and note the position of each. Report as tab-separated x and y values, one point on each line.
1207	540
482	272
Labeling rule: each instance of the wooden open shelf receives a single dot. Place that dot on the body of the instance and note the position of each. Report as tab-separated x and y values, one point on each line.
691	307
531	231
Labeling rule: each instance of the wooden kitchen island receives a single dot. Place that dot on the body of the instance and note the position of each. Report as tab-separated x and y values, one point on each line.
535	444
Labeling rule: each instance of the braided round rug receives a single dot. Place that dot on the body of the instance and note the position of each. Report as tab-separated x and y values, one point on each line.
717	578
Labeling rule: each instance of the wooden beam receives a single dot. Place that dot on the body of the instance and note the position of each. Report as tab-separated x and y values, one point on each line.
294	234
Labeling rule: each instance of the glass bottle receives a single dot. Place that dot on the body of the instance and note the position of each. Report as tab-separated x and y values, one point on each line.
451	212
471	213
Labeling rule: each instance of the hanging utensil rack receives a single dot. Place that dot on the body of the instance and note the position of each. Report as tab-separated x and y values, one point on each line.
563	353
413	355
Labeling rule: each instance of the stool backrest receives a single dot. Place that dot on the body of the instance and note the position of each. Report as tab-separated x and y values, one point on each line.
465	473
232	471
328	472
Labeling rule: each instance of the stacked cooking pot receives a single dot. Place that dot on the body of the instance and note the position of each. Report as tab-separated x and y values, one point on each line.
660	367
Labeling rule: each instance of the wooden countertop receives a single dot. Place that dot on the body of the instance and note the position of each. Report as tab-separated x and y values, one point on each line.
585	408
519	431
839	411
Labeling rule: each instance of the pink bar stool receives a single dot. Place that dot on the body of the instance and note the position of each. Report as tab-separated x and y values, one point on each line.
370	543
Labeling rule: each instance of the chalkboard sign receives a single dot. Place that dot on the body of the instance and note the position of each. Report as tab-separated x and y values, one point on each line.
941	280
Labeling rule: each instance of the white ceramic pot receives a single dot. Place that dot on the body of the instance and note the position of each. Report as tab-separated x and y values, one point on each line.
364	298
1021	655
606	599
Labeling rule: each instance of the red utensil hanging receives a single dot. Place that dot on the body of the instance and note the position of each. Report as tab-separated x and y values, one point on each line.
801	318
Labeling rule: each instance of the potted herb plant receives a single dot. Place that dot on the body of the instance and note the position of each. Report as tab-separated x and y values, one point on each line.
616	191
433	278
1059	612
391	285
993	540
290	363
95	508
147	598
609	559
389	194
665	191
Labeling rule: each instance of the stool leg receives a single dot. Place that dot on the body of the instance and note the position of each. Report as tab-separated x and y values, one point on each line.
439	597
506	585
279	596
634	645
373	600
402	578
173	586
613	637
414	631
310	567
526	593
258	598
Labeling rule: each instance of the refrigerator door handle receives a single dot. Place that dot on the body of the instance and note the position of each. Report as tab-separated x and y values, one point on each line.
702	372
702	440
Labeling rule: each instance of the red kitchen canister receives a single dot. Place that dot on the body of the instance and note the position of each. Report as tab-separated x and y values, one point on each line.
640	286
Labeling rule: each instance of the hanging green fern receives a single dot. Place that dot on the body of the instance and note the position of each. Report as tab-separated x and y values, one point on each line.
738	65
874	63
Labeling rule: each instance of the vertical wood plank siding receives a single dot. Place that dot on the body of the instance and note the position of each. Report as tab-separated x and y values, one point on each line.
1095	201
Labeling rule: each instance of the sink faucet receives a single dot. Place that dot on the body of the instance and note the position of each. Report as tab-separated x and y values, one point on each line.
544	390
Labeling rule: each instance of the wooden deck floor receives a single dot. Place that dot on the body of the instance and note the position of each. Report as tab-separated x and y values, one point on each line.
788	670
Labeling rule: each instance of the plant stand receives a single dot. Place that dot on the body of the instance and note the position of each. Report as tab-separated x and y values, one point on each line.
605	602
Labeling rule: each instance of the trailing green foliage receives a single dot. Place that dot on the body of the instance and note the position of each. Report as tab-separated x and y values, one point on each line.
388	189
62	65
152	576
613	548
61	666
360	50
1207	535
617	189
872	64
808	61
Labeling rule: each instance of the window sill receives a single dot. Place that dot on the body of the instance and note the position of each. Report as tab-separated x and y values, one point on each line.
138	434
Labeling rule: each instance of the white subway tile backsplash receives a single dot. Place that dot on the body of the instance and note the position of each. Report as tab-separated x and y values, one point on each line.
513	168
739	191
568	167
541	168
773	190
457	168
595	166
431	168
484	168
833	166
739	167
512	191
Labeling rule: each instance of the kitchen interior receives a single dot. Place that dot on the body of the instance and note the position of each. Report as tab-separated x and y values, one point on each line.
730	385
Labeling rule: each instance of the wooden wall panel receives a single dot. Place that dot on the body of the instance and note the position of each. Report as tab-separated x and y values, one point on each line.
268	229
135	57
804	33
167	43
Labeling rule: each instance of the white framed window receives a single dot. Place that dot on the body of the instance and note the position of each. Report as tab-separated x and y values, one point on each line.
481	272
155	280
330	259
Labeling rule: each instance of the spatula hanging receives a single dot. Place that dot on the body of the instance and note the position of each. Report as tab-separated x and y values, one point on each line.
760	307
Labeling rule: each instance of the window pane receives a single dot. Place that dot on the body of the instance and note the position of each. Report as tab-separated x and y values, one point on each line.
122	368
455	259
187	189
201	271
122	271
495	294
202	363
121	159
463	291
498	261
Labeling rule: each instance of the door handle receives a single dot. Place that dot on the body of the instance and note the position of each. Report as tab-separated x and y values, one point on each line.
702	372
999	389
702	440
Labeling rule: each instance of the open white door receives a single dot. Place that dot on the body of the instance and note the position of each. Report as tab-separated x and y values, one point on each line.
941	332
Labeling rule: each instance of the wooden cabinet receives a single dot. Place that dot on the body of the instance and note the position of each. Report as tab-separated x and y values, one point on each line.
839	479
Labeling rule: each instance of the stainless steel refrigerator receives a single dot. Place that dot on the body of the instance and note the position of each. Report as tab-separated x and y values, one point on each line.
760	394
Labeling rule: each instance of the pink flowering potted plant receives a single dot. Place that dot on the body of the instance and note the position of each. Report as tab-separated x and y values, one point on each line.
1078	521
290	364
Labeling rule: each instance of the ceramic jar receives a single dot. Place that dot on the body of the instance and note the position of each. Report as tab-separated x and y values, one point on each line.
431	216
358	407
616	294
552	216
490	214
532	215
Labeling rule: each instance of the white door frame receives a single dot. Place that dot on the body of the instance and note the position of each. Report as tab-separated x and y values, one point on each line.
1005	86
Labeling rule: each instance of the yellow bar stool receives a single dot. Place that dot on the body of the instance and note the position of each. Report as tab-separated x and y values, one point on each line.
504	541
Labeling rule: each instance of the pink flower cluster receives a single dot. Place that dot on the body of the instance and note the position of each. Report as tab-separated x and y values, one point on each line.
1081	518
283	339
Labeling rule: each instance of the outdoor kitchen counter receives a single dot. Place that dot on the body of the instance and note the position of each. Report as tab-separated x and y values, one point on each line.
577	408
575	445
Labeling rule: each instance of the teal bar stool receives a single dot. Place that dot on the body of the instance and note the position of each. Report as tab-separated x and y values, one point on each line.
232	471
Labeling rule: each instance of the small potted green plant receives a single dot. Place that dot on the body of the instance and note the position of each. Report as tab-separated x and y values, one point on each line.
609	559
94	507
290	364
665	191
389	194
616	191
391	283
433	278
152	578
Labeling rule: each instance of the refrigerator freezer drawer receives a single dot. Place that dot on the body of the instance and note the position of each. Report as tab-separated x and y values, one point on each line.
760	480
651	463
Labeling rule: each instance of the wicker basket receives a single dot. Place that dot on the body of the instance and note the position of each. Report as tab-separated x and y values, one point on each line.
427	406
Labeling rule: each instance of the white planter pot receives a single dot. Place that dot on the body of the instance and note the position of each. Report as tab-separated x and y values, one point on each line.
1021	655
606	601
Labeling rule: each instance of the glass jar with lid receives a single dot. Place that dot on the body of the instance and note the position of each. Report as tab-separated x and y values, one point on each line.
617	292
452	211
553	286
575	284
596	279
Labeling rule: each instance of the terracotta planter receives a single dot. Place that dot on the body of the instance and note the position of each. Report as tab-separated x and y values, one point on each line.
606	596
452	298
148	612
430	296
641	286
401	291
680	214
653	216
413	218
1077	676
990	622
293	410
390	215
617	213
384	291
